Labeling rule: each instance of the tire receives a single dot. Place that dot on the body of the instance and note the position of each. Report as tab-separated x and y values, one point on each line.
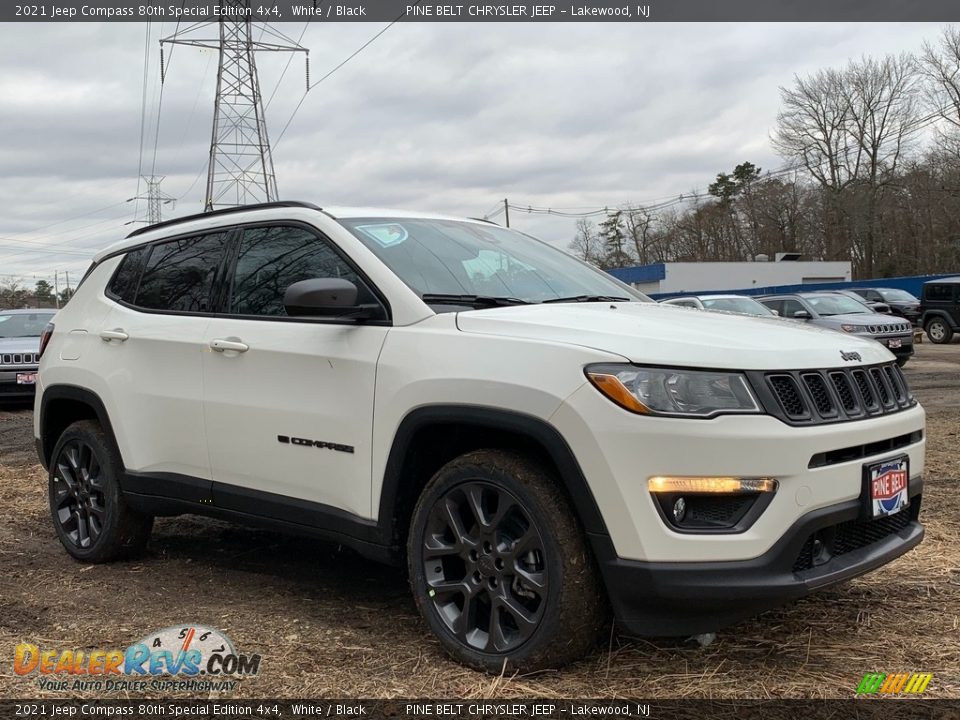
518	590
91	516
939	332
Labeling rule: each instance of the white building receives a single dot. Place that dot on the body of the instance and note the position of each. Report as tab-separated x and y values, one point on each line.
702	277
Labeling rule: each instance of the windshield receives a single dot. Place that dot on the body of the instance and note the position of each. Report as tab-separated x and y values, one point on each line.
456	258
18	325
827	305
744	306
897	296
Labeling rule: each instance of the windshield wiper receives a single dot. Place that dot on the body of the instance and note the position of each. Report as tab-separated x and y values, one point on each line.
588	298
478	301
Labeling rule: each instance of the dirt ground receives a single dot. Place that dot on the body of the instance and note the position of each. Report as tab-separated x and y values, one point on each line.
329	624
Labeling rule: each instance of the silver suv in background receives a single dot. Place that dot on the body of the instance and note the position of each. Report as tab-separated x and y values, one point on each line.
20	332
839	312
740	304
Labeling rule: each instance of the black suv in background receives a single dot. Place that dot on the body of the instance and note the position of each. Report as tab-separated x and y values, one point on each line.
901	302
940	309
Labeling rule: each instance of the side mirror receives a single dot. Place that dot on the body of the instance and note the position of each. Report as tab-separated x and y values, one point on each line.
325	297
801	315
775	312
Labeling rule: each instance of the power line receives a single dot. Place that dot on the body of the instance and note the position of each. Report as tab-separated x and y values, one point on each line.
350	57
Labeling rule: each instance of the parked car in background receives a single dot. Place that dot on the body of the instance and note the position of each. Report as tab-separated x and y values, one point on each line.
839	312
875	305
901	302
20	332
740	304
940	309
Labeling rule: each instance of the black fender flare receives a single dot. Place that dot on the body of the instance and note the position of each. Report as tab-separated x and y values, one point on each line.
929	315
528	426
77	394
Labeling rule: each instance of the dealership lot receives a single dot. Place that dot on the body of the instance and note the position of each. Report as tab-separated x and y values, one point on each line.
328	623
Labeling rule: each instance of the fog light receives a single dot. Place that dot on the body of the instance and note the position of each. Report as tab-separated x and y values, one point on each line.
679	509
724	485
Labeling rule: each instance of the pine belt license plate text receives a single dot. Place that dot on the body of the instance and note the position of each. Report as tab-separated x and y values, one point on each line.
888	484
895	343
27	378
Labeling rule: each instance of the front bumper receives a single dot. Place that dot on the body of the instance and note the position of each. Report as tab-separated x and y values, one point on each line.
9	388
687	598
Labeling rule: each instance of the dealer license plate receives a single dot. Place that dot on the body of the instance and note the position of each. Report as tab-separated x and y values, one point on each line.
895	343
27	378
888	484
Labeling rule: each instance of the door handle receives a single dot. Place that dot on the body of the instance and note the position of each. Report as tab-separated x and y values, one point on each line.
111	335
221	345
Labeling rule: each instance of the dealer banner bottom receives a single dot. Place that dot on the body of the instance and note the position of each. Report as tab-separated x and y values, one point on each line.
861	708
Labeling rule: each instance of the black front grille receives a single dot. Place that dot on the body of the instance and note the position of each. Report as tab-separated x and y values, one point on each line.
830	542
811	397
788	395
822	399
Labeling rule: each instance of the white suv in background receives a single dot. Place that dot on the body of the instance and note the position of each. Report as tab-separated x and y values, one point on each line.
531	437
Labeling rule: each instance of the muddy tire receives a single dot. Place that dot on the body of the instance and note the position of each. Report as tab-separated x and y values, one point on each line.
500	568
90	515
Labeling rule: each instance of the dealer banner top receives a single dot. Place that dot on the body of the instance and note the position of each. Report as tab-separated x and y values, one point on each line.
494	11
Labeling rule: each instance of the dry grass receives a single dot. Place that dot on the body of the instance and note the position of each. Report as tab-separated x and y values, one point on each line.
331	625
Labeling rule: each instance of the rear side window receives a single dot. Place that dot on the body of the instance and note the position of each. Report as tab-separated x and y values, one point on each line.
179	274
271	259
123	286
939	292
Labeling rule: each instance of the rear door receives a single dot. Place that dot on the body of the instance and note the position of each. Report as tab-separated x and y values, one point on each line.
154	338
288	402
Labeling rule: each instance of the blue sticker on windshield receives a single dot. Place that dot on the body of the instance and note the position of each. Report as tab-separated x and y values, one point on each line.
385	234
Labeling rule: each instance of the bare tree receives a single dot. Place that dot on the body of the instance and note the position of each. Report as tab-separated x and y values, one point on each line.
940	66
586	244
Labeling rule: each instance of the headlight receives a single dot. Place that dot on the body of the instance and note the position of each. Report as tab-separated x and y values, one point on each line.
854	328
680	393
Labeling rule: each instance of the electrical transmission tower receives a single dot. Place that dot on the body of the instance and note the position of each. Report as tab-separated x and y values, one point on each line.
241	164
155	198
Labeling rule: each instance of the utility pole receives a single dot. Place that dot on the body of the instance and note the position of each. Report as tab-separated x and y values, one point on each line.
240	171
56	287
155	198
506	210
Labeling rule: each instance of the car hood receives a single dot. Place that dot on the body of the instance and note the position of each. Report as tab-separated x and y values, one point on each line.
675	336
20	345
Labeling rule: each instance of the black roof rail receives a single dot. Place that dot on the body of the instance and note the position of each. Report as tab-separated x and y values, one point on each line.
224	211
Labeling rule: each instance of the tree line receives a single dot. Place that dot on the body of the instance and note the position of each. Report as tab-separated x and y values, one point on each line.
14	296
871	175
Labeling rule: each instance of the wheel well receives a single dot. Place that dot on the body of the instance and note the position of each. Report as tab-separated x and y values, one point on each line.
58	415
434	445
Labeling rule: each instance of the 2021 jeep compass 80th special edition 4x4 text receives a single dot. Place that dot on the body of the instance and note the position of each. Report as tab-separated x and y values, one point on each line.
539	443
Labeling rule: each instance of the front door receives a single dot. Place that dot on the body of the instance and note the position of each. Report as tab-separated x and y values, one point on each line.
288	402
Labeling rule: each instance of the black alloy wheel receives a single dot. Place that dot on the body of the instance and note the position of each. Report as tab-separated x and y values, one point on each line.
500	567
485	566
89	511
78	494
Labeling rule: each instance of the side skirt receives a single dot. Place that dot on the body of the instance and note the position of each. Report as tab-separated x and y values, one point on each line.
167	494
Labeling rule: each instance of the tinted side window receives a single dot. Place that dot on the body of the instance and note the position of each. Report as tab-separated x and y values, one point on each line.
939	292
179	274
123	286
270	259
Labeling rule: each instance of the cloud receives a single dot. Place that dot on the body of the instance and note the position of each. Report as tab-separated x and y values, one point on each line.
447	117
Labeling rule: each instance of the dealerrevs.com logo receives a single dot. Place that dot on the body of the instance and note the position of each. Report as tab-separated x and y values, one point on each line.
182	657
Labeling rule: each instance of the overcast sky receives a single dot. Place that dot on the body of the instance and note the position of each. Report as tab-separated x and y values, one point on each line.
442	117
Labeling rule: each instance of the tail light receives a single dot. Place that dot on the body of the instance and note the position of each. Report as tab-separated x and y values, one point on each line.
45	337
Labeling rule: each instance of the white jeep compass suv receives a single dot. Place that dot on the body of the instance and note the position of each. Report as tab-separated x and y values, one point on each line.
537	441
